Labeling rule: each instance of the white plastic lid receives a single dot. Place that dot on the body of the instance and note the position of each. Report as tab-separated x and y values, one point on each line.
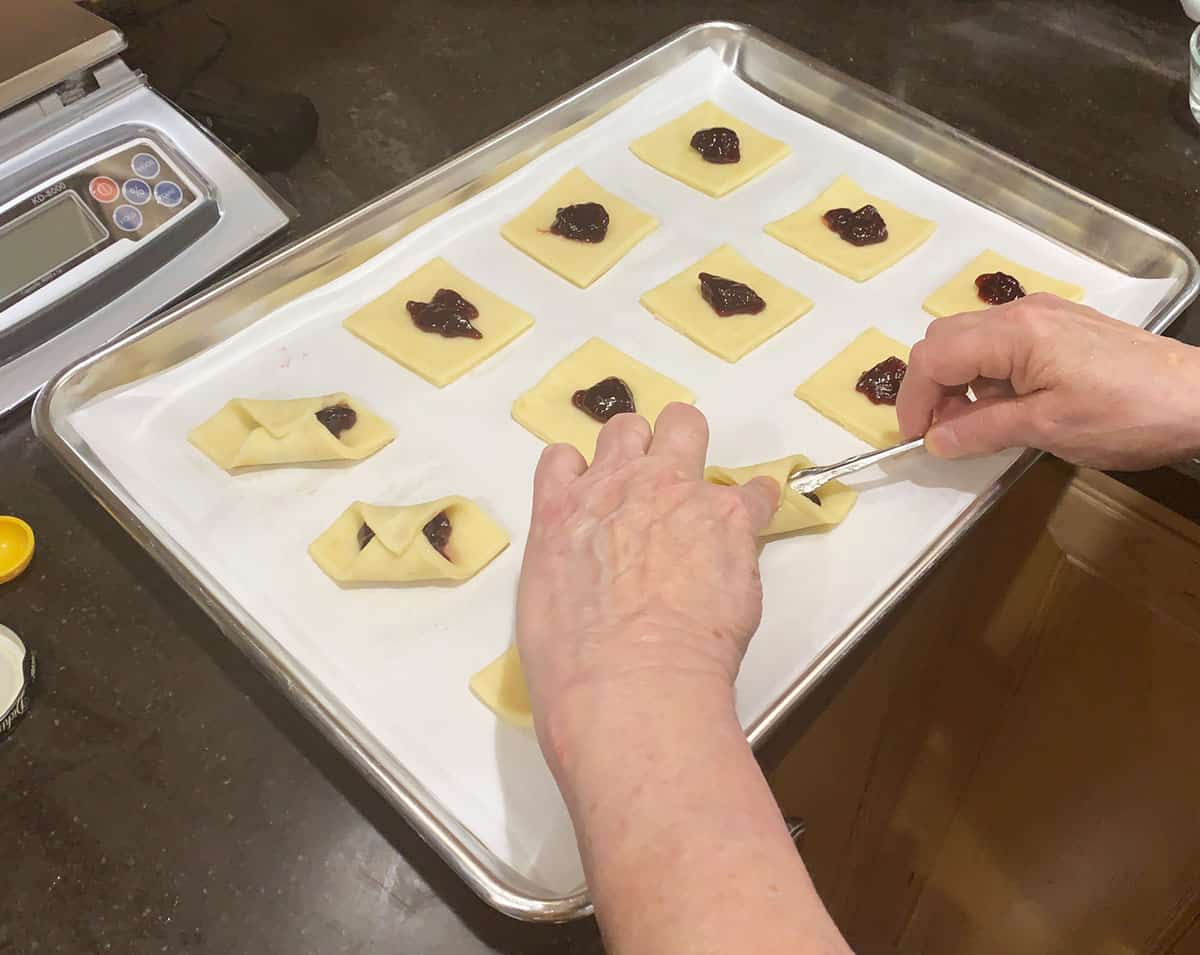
16	674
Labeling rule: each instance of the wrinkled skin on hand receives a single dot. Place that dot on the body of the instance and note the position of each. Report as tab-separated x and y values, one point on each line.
1053	375
636	570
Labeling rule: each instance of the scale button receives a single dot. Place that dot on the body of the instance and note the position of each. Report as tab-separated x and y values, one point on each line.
127	218
103	189
168	194
136	191
145	165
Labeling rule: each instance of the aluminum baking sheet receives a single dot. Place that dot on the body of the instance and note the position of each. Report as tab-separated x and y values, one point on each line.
385	671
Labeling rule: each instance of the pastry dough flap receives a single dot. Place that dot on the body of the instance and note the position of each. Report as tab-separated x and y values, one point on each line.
251	432
796	512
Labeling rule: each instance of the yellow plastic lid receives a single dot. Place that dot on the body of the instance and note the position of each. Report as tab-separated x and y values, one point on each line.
16	547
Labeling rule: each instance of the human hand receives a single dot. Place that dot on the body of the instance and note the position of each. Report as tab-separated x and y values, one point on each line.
637	573
638	597
1052	375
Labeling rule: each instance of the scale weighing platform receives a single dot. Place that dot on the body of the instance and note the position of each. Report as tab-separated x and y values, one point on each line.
113	203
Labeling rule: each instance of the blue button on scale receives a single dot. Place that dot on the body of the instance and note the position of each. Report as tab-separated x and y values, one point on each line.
168	194
144	164
127	218
136	191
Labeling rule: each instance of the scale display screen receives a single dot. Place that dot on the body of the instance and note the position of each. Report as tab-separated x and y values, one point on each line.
45	239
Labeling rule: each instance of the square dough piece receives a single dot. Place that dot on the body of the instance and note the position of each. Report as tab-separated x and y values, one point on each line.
678	302
796	512
400	552
831	390
805	230
961	295
546	409
500	686
578	262
259	432
668	149
386	325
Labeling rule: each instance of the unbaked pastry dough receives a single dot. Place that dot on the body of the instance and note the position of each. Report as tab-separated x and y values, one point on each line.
831	390
546	409
500	686
259	432
805	230
668	149
385	324
400	552
678	302
578	262
796	512
960	294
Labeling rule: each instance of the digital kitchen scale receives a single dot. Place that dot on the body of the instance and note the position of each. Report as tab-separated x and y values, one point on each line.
113	203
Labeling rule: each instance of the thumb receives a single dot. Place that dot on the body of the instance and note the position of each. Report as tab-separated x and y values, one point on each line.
984	427
762	500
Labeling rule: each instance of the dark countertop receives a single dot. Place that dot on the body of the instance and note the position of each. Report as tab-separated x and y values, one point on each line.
162	796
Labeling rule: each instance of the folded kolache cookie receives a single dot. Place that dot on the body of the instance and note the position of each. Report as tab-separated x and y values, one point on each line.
450	539
260	432
827	506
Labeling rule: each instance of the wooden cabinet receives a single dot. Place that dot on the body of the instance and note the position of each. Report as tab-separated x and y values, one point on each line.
1015	766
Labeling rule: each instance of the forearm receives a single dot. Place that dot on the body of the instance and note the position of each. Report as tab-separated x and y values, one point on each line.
1180	393
683	844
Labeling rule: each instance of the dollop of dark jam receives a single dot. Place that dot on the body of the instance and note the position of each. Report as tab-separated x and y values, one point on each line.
337	418
448	314
365	536
583	222
881	384
863	226
996	288
728	297
813	497
718	145
437	532
605	399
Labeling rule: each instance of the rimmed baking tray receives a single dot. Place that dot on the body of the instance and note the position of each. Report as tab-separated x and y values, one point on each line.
935	151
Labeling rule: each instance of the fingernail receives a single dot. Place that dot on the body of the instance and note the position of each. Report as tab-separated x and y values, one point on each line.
942	441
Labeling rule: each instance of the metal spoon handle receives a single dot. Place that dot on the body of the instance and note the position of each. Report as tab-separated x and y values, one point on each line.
808	480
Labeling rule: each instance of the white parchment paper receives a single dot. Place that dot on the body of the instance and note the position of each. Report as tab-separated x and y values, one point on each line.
399	659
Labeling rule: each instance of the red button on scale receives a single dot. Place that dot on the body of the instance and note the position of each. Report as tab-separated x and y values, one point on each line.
103	189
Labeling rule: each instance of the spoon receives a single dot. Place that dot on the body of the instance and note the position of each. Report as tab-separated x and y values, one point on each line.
807	480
